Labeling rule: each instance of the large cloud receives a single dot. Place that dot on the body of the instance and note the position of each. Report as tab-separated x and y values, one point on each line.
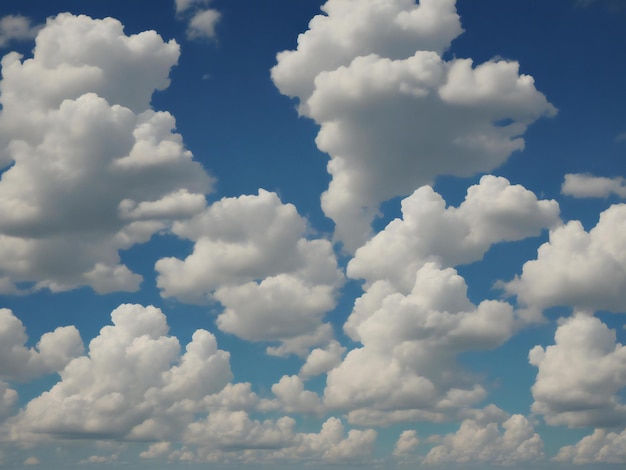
576	268
411	341
493	211
91	169
580	377
134	383
251	254
393	114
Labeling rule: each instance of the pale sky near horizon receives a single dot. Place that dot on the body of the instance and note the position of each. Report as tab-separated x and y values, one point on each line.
284	233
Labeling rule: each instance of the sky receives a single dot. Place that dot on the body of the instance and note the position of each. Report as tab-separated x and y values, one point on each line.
312	233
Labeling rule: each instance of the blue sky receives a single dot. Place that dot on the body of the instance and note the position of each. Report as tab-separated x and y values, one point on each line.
300	232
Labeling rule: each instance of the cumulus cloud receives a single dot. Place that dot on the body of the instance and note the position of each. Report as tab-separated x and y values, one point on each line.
321	360
411	341
16	28
133	383
507	442
579	378
252	255
52	353
493	211
583	185
585	270
601	446
90	168
406	443
392	113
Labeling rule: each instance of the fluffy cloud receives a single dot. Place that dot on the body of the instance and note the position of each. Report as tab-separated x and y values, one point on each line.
493	211
392	113
501	443
579	378
411	341
252	255
16	28
184	5
134	383
583	185
406	443
91	168
601	446
8	399
51	354
586	270
321	360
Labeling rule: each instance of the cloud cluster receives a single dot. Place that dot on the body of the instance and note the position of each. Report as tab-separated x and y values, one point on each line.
601	446
89	168
503	441
580	377
392	113
406	368
132	384
251	254
584	270
583	185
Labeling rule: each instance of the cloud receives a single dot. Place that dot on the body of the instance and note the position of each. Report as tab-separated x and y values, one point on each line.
601	446
393	114
585	270
579	378
251	254
132	384
501	443
411	340
183	5
583	185
406	443
202	24
16	28
493	211
321	360
52	353
90	168
8	399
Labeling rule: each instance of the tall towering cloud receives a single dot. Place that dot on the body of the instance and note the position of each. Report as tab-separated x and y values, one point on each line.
89	168
252	254
392	113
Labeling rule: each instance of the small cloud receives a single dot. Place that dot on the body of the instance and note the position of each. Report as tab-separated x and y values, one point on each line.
621	137
16	27
581	185
32	461
202	24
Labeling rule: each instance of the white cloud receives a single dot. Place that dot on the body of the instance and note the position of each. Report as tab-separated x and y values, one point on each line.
202	24
601	446
585	270
579	378
321	360
94	169
293	398
370	74
406	443
51	354
134	383
493	211
583	185
16	28
8	399
500	443
252	255
406	368
31	461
